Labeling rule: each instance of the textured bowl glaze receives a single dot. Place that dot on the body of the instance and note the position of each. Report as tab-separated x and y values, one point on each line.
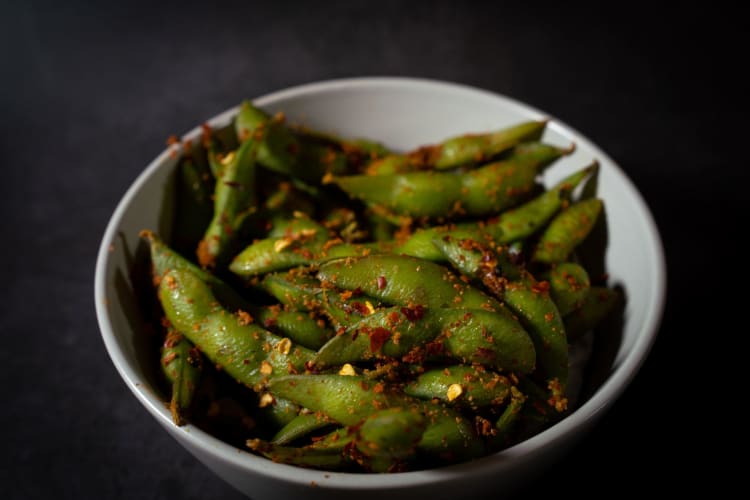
402	113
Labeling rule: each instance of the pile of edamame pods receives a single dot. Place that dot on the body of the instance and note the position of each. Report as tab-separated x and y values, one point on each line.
328	303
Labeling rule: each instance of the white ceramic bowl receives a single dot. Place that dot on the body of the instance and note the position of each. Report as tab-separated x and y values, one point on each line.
402	113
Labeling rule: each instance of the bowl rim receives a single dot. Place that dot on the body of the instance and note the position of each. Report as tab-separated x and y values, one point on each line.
585	414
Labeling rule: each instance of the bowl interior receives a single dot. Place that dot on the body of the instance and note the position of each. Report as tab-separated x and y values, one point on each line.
402	113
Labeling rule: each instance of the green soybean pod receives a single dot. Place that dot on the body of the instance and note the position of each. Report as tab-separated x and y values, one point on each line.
245	351
300	426
531	302
567	230
569	286
465	386
234	200
182	366
597	305
403	280
390	436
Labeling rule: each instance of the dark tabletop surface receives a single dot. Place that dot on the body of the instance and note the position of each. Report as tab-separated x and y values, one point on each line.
89	94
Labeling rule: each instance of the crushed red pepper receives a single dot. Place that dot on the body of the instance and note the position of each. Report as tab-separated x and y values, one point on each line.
378	337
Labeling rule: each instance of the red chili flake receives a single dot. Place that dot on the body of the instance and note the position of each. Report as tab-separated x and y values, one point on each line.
416	355
425	155
259	132
169	358
484	353
435	348
293	148
329	156
378	337
381	282
360	308
269	322
540	287
538	406
206	130
173	337
393	318
467	244
414	313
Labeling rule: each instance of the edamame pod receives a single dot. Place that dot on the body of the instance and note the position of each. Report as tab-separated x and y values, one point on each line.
181	365
390	436
350	399
509	418
301	249
301	327
525	220
404	280
163	258
282	151
597	305
531	302
414	334
234	200
567	230
459	150
568	286
245	351
462	386
193	193
302	425
445	195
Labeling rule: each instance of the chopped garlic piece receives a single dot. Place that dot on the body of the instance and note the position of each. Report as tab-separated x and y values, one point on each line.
370	308
347	369
265	399
227	159
284	346
281	244
454	391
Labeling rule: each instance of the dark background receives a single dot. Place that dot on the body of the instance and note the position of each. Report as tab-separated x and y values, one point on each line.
89	94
